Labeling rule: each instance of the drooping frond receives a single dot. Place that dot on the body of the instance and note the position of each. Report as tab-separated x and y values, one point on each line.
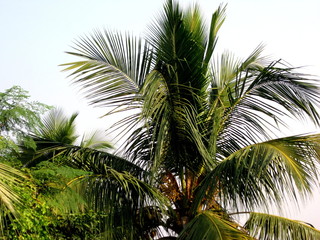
131	207
265	226
11	186
246	178
290	90
87	159
10	177
210	225
157	114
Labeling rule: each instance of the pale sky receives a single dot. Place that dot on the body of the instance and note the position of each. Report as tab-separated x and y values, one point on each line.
35	34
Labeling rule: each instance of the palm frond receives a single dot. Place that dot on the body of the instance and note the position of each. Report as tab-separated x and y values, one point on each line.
95	141
271	227
210	225
11	201
228	70
293	91
115	67
217	20
170	36
157	113
246	178
10	177
129	204
266	96
87	159
229	81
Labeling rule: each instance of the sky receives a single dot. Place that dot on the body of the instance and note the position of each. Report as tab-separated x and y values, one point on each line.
35	35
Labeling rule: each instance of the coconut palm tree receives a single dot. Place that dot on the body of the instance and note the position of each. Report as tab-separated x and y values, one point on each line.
203	143
57	129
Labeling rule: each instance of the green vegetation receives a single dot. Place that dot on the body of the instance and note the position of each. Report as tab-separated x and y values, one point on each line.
36	202
200	143
18	116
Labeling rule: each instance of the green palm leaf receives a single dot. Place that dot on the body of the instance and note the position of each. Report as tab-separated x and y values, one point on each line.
130	206
11	186
247	176
87	159
217	20
210	225
10	177
271	227
95	141
266	96
115	67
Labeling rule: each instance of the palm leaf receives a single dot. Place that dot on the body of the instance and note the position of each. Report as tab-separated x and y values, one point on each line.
11	187
129	204
229	81
157	113
271	227
246	177
115	67
87	159
268	94
170	36
10	177
95	141
210	225
217	20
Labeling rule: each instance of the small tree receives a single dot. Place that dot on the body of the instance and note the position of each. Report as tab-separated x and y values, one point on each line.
18	117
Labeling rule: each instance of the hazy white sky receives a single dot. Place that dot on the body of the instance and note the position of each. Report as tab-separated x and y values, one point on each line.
35	34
